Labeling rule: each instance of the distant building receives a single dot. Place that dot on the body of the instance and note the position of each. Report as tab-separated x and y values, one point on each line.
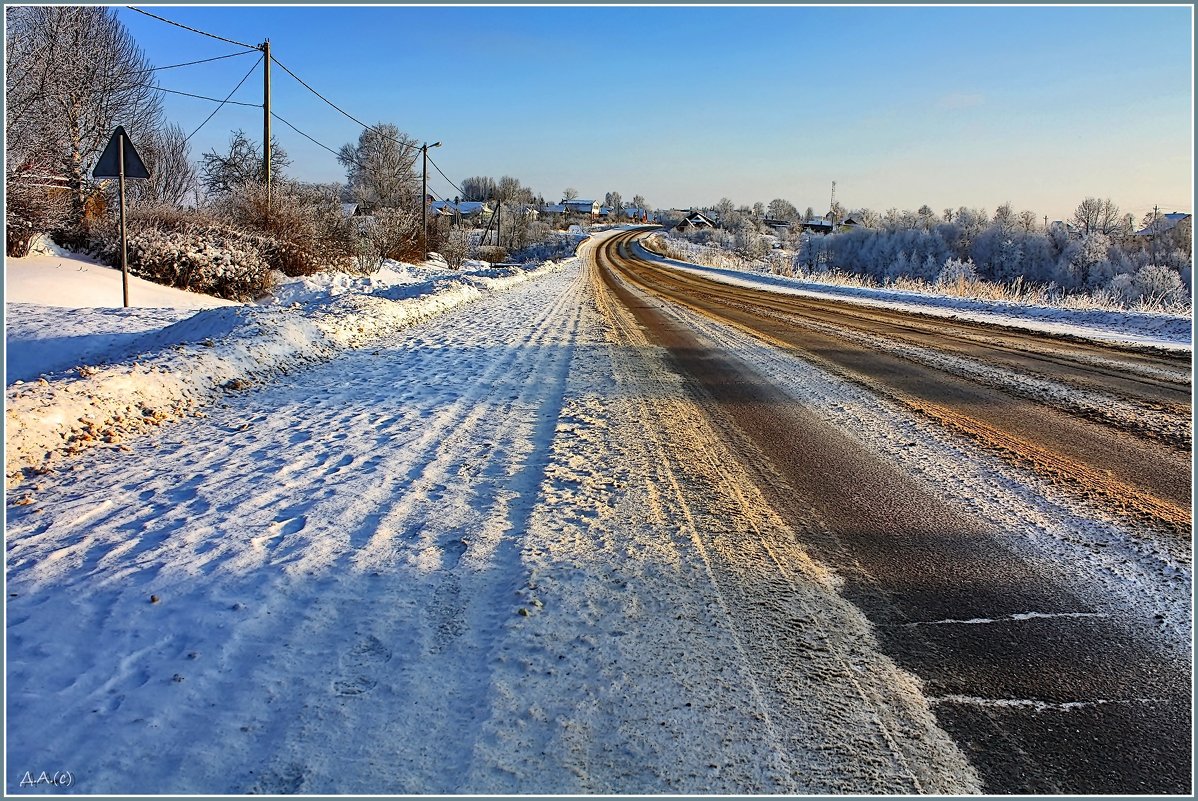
467	209
696	219
1166	222
588	207
816	225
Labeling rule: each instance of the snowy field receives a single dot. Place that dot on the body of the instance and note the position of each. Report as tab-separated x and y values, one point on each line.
1157	330
457	533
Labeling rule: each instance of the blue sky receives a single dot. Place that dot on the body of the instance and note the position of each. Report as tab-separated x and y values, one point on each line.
901	106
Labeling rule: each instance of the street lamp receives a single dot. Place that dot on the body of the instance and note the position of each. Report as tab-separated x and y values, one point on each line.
424	197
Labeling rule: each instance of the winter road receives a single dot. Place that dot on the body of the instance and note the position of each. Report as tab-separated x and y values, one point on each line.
1046	689
577	538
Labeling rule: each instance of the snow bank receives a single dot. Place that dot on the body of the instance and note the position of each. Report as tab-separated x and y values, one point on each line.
187	365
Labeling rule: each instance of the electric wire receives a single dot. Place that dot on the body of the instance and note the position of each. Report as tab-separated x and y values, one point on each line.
318	143
193	30
203	60
447	178
197	97
226	100
304	84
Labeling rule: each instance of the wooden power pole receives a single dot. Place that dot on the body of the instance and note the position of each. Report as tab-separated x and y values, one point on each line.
266	121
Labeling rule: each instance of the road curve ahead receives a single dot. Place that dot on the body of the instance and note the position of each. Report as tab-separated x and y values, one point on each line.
1044	689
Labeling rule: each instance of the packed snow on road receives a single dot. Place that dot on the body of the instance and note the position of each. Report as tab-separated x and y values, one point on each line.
446	532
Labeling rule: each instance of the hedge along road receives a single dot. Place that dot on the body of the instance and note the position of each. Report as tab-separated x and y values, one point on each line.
1044	690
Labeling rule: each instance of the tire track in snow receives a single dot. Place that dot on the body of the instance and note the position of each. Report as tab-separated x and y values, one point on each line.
791	627
328	634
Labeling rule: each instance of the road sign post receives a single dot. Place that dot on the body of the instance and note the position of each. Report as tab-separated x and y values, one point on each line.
119	160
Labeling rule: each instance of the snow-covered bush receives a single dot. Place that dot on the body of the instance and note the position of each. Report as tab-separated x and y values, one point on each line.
955	272
201	257
492	253
455	247
396	234
1153	287
305	222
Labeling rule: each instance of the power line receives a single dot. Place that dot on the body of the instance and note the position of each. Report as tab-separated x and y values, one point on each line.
314	141
193	30
447	178
197	97
341	110
226	100
203	60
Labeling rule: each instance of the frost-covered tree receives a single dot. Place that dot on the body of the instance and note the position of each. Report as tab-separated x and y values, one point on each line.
780	209
925	217
73	73
569	193
241	164
615	202
1004	217
380	169
724	211
759	209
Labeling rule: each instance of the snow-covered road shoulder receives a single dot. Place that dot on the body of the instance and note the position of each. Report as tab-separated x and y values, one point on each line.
177	370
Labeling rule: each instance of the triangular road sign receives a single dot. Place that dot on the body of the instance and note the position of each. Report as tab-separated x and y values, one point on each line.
109	165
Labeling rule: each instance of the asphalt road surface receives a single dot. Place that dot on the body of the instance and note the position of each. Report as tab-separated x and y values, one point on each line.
1044	693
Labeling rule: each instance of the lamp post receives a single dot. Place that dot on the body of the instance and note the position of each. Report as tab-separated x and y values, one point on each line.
424	197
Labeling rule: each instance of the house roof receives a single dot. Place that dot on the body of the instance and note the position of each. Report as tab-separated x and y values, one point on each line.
698	218
554	208
1165	223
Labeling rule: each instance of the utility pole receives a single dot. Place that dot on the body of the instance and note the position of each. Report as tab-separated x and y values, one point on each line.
424	197
499	223
1156	216
832	207
266	121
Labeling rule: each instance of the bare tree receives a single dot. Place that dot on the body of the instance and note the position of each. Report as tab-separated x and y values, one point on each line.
570	193
479	188
73	74
510	190
172	175
1028	220
379	168
1097	216
221	172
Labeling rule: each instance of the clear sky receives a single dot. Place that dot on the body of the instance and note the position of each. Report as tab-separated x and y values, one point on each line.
901	106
